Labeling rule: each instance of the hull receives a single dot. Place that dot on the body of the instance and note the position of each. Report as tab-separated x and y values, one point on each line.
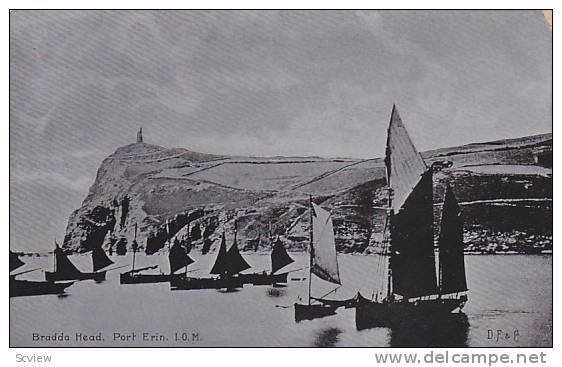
20	288
127	278
263	278
311	312
53	276
187	283
369	314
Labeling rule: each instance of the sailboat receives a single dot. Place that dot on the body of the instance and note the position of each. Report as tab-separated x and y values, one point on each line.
178	259
20	288
64	269
413	292
227	266
323	262
279	259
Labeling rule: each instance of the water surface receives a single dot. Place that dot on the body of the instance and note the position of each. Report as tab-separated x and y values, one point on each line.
512	293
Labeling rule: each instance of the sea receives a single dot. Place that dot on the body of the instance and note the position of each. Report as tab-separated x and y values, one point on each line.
509	305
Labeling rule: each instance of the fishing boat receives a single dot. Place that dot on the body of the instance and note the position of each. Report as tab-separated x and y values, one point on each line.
135	276
19	288
178	259
227	267
415	290
64	269
323	263
279	259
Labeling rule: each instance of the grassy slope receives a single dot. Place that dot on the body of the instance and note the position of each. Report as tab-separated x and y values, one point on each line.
181	186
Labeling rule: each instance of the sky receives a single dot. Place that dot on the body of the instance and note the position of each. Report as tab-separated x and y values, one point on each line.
258	83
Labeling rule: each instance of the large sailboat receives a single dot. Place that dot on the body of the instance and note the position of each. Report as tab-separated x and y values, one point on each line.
279	259
323	263
228	264
64	269
19	288
415	290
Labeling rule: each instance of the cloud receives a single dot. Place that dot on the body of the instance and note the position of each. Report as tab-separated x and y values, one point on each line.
262	83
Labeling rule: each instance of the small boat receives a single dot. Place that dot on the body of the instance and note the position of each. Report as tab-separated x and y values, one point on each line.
279	259
408	270
134	276
178	259
346	303
227	267
323	263
64	269
20	288
192	283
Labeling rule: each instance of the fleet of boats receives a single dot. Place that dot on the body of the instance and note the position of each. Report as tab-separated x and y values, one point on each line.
412	283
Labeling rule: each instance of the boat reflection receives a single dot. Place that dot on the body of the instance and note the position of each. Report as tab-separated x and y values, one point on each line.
328	337
446	331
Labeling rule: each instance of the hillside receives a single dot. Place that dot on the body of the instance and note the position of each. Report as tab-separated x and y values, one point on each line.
505	188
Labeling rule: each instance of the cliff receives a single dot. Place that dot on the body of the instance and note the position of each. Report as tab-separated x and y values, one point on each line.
505	188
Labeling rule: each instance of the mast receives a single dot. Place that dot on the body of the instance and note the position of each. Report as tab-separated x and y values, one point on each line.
189	239
235	229
385	252
168	234
134	247
389	213
311	249
55	258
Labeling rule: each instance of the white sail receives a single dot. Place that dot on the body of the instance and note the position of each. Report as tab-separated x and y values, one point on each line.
324	259
404	164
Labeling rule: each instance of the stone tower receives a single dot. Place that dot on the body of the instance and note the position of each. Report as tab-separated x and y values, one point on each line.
139	136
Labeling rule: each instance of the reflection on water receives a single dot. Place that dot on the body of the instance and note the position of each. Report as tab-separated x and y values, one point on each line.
327	337
506	293
446	331
275	292
229	290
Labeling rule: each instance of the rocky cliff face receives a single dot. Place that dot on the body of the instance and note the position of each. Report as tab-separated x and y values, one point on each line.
163	194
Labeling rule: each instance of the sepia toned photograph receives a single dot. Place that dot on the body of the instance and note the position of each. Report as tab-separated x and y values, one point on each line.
280	178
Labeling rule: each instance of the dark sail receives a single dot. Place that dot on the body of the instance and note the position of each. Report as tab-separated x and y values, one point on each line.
411	239
178	257
451	248
100	259
63	265
15	261
412	260
220	263
279	257
235	263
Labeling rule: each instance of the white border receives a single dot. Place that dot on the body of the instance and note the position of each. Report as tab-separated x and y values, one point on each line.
248	357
